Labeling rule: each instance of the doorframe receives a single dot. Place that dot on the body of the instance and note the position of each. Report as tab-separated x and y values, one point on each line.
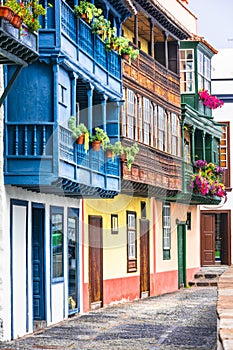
22	203
141	221
101	258
182	225
41	206
215	212
75	212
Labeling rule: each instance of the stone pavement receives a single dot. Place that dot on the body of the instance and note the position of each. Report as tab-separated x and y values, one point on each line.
182	320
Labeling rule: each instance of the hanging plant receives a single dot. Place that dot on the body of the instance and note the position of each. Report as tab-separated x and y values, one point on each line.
209	101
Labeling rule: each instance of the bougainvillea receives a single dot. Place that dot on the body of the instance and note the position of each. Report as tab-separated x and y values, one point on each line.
210	101
207	179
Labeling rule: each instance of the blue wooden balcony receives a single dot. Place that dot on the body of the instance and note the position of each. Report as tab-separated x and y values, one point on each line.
84	50
44	158
17	46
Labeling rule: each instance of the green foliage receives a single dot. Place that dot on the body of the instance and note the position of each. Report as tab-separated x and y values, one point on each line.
77	130
100	135
87	8
28	11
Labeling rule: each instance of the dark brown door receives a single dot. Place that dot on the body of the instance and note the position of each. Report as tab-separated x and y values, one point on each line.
207	239
224	238
144	258
95	260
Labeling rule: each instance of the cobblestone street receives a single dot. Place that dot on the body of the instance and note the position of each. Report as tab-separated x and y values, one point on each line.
182	320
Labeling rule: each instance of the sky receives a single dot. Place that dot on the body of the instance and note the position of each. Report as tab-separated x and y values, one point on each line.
215	21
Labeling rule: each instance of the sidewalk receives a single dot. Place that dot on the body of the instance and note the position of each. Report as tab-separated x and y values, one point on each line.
182	320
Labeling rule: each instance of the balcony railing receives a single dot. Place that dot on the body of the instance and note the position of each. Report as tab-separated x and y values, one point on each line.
155	172
18	46
40	156
167	83
90	44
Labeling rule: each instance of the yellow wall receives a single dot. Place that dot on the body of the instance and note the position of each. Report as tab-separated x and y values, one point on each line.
130	35
115	245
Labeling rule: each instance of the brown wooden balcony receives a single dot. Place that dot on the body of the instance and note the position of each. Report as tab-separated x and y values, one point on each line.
153	173
153	77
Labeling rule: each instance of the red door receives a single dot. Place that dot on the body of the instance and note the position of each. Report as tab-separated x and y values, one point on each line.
95	261
207	239
144	258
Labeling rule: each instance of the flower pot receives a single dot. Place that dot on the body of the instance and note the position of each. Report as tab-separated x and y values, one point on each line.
109	153
6	12
96	145
126	56
16	21
123	157
84	17
80	140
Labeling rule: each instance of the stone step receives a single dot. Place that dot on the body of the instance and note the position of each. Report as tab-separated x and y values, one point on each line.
206	282
207	275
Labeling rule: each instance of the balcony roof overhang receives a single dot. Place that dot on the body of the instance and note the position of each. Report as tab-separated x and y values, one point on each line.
165	20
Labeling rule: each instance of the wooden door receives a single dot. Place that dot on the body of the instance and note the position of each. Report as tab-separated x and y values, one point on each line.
38	263
207	239
144	258
224	238
95	261
181	240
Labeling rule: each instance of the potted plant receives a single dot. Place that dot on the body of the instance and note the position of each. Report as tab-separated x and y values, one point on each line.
102	27
79	133
113	150
87	11
130	152
100	137
27	12
129	53
6	12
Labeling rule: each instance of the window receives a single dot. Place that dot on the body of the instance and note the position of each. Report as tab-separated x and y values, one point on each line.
166	231
140	119
175	135
62	95
187	71
130	113
155	118
123	117
147	122
225	153
57	242
131	242
204	71
143	210
114	224
161	129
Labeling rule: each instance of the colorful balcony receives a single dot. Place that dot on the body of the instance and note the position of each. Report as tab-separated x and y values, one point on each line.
42	158
85	51
153	174
18	46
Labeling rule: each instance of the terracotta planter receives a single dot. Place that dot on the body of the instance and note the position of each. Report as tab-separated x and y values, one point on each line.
16	21
80	140
6	12
123	157
109	153
125	56
96	145
84	17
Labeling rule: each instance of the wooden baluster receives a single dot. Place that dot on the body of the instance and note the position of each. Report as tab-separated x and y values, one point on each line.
44	141
34	141
16	140
26	140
